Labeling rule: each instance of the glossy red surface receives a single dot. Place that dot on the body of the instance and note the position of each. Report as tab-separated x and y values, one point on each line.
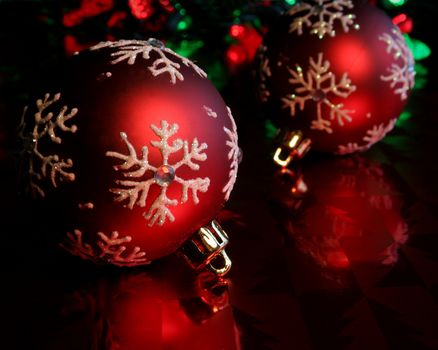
124	98
344	296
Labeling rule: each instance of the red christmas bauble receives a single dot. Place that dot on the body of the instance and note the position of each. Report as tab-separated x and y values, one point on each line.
137	149
338	70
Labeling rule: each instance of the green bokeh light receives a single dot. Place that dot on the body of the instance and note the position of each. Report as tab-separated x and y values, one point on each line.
395	3
218	74
237	13
419	49
186	48
404	117
270	130
421	76
184	24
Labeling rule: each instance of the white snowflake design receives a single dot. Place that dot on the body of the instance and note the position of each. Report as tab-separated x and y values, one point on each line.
373	135
265	73
46	125
401	77
233	155
129	50
136	189
326	13
109	249
209	111
317	85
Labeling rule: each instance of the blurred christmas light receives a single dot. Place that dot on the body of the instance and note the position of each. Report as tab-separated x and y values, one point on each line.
236	31
87	9
141	9
404	23
248	39
236	55
421	76
421	69
270	130
116	19
186	48
184	24
237	13
290	2
404	117
399	19
166	5
419	49
71	45
218	74
395	3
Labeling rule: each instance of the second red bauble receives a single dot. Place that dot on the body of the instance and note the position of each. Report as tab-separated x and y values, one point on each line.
338	70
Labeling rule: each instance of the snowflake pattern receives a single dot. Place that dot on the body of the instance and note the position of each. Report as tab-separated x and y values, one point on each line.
46	126
317	85
265	73
401	77
109	249
135	190
233	155
129	50
373	135
209	111
326	13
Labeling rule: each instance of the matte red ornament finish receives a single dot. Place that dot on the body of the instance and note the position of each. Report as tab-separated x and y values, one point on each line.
153	159
342	81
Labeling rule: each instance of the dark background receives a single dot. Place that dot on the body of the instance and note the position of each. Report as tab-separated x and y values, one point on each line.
286	290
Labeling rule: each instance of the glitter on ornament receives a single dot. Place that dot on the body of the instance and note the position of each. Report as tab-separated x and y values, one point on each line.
149	162
373	135
317	85
46	126
110	249
401	76
128	50
234	154
326	13
209	111
135	190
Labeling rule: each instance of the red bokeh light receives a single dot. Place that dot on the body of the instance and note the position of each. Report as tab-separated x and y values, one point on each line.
88	8
141	9
236	31
236	54
248	42
404	23
116	19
